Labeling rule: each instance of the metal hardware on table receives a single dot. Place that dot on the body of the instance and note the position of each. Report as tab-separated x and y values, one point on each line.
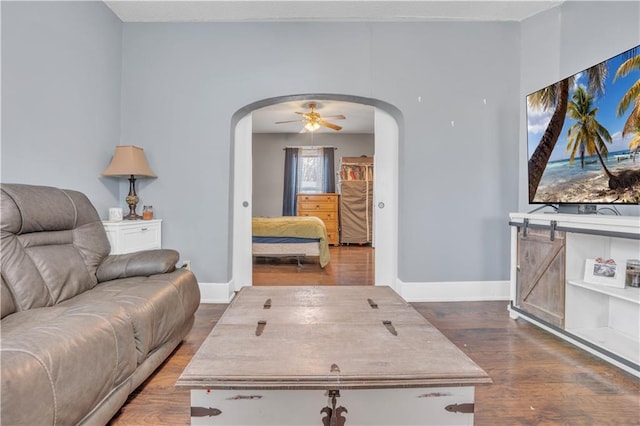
260	328
334	415
204	412
390	327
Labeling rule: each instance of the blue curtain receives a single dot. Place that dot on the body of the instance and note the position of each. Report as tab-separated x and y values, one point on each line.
291	184
329	175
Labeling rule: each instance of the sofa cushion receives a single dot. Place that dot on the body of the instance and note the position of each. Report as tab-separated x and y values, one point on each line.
59	362
6	300
158	306
51	241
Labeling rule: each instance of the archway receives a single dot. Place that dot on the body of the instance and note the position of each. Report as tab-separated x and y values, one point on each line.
388	120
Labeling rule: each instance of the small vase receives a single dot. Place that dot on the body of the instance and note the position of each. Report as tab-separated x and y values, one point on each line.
147	212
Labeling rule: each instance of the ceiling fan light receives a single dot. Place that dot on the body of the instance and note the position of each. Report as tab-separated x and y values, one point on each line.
312	126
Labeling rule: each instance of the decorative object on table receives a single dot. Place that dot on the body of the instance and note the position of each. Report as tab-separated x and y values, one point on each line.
633	273
115	214
147	212
129	161
604	272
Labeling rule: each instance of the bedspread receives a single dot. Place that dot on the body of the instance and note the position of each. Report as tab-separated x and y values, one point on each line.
294	226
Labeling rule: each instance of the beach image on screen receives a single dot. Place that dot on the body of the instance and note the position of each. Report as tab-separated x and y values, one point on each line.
583	135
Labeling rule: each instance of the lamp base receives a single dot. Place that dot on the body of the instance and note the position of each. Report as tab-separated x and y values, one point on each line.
132	217
132	200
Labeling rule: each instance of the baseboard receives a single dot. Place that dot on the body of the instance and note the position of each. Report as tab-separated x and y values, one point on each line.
455	291
215	292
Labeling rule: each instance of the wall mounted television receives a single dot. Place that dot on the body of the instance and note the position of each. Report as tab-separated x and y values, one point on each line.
583	136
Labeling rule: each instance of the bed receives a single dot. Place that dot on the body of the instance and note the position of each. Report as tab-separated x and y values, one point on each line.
290	236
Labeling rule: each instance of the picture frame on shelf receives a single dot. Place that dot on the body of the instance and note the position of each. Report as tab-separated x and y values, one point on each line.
604	272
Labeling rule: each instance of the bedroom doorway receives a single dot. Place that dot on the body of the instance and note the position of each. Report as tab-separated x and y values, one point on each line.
386	141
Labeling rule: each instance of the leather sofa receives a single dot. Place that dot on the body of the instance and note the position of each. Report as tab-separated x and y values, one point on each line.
80	328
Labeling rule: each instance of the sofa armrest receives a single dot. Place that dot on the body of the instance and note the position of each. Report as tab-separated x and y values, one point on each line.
138	264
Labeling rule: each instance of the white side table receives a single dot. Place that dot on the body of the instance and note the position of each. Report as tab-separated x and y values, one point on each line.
128	236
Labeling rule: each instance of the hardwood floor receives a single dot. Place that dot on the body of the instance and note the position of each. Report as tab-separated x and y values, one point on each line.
349	265
538	379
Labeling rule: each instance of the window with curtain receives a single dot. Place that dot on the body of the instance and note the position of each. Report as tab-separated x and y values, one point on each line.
308	170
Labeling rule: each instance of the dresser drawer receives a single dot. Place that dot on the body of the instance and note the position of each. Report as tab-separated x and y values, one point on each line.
131	236
316	207
317	198
326	216
142	238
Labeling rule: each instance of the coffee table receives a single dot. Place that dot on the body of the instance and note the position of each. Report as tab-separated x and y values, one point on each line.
328	355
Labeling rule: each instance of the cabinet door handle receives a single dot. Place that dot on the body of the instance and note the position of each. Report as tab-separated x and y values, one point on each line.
144	229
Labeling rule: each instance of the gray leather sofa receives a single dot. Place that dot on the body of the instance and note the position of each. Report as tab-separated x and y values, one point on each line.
80	328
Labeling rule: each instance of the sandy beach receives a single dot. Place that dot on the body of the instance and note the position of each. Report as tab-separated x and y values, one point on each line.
593	189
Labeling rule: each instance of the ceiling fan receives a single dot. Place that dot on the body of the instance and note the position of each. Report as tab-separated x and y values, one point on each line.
314	120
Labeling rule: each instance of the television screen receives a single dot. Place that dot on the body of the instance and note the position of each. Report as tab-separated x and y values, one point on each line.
583	135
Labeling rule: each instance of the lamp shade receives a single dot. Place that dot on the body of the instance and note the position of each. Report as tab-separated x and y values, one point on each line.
128	160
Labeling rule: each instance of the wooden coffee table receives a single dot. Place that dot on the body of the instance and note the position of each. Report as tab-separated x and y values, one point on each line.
313	355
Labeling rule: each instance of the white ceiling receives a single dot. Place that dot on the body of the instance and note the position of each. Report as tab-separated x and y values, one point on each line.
359	118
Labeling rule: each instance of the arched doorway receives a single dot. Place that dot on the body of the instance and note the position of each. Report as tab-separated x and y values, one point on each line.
387	136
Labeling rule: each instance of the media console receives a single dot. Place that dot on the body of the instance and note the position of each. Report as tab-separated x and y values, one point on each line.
548	256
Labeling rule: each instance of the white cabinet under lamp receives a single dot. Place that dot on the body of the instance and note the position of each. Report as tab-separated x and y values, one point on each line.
601	318
128	236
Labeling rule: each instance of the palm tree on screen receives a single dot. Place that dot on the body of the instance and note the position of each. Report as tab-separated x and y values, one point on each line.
634	143
631	97
556	97
586	134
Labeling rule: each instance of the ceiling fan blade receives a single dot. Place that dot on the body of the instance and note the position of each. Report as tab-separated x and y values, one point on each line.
289	121
335	117
329	125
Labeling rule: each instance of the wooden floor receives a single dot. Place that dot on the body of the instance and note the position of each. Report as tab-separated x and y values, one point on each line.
538	379
349	265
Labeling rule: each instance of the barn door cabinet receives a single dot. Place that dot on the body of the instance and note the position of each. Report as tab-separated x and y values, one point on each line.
548	257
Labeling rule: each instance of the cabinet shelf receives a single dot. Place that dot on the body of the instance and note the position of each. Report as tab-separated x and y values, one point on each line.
630	294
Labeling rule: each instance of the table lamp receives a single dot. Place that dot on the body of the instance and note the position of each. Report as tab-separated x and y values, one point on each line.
129	161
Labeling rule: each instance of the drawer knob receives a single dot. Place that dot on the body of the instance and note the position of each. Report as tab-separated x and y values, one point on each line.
144	229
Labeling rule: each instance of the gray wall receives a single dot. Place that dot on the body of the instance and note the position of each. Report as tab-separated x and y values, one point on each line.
268	162
61	68
183	82
555	45
459	86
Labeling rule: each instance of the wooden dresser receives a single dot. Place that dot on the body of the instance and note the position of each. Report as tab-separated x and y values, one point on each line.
324	206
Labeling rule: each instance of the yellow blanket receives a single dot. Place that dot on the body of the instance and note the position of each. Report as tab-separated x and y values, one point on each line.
294	226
